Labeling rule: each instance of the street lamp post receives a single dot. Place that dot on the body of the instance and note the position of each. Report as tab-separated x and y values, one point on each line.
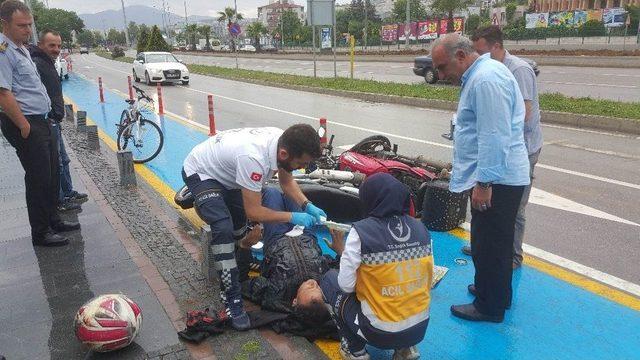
126	25
407	31
235	14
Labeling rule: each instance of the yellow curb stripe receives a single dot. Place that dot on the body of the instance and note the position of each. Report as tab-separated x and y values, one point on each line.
570	277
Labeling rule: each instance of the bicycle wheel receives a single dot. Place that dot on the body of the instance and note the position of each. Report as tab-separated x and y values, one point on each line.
143	138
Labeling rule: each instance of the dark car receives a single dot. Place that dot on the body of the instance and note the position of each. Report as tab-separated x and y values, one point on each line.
423	66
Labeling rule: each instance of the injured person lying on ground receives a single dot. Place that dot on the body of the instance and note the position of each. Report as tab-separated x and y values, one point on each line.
292	266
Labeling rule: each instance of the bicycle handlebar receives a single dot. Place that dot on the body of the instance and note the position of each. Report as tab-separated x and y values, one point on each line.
142	94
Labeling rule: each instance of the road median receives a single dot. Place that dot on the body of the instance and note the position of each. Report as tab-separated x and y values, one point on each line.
556	108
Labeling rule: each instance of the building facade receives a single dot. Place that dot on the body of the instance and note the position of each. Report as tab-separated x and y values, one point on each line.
270	14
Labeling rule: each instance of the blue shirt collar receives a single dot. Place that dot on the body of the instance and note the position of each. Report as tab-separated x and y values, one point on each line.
473	66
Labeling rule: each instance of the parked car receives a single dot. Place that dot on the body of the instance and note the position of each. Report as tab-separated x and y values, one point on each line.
226	48
268	48
61	68
423	66
84	50
159	67
248	48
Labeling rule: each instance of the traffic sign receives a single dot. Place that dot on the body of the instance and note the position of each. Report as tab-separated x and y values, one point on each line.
234	29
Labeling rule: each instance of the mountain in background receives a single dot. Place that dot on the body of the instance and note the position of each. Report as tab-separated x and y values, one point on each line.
140	14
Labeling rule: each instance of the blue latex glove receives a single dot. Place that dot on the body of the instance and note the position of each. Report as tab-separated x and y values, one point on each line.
316	212
302	219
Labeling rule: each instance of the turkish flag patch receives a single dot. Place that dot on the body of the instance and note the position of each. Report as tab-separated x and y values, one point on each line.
256	177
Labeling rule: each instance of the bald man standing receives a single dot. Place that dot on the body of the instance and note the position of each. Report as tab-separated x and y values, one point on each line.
490	160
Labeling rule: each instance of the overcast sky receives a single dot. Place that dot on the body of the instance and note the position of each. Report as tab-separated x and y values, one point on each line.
199	7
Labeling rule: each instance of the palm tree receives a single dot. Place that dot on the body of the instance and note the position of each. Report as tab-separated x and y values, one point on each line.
255	31
229	16
191	31
205	30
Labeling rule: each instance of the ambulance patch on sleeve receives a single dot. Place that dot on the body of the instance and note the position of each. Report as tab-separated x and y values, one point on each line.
256	177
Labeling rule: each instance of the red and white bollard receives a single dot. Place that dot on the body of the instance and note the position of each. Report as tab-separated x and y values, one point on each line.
212	118
130	88
323	138
100	88
160	104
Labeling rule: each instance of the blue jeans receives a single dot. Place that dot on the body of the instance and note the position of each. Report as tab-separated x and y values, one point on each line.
66	186
273	199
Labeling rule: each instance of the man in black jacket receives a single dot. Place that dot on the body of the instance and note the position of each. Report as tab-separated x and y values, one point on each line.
44	56
292	266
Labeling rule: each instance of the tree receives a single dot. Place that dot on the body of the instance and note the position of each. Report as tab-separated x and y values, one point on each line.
229	16
473	22
255	31
510	11
156	41
98	37
143	40
289	24
86	38
417	11
115	37
57	19
205	30
448	7
191	31
133	30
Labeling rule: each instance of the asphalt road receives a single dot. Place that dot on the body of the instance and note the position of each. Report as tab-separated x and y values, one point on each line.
602	83
585	205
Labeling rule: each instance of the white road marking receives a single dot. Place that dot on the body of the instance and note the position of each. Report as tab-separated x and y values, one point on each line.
539	165
547	199
594	73
345	147
610	280
587	130
589	84
597	151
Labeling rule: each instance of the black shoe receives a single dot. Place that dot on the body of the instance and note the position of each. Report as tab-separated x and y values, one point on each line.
469	312
76	196
466	250
64	226
472	291
50	239
68	206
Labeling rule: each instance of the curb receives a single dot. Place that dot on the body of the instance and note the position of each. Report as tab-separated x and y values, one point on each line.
597	122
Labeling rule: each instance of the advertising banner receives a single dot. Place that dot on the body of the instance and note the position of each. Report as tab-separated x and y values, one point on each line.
614	17
428	30
561	19
594	15
390	33
579	18
537	20
413	32
326	38
458	24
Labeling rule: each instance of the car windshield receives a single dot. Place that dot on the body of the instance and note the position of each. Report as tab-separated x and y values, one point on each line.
158	58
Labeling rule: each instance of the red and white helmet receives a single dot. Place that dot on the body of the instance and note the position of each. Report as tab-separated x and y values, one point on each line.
108	322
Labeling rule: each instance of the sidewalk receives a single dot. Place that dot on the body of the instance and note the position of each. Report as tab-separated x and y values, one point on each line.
129	243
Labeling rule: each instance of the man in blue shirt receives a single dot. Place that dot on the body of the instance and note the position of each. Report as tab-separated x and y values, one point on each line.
489	159
24	105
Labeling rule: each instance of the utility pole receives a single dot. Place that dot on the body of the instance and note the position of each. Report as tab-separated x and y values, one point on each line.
235	15
407	31
186	18
126	25
282	26
366	23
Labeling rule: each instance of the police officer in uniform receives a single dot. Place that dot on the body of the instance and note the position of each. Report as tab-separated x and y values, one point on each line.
25	104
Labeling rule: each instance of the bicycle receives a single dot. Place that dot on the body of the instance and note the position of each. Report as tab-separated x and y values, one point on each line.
144	135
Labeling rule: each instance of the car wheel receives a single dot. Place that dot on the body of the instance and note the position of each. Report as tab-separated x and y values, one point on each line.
430	76
147	79
185	83
135	77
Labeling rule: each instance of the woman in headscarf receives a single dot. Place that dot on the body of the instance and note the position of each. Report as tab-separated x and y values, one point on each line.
381	295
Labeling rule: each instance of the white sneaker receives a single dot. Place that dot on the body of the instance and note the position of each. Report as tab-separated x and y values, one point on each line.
410	353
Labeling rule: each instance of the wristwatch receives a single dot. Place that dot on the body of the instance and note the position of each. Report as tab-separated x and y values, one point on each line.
304	204
484	185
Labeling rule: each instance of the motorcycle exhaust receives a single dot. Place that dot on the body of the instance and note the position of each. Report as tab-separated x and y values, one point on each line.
338	175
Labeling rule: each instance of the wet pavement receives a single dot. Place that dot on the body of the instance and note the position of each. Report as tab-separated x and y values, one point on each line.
42	288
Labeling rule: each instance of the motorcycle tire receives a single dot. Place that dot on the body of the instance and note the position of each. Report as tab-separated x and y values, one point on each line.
443	210
184	198
370	145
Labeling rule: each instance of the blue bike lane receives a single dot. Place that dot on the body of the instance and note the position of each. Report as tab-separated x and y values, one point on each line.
555	314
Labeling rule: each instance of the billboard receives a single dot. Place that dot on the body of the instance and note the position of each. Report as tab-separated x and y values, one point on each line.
390	33
428	30
594	15
579	18
537	20
413	31
458	24
561	19
326	38
614	17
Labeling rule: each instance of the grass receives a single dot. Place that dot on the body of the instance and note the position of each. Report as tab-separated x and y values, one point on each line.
551	102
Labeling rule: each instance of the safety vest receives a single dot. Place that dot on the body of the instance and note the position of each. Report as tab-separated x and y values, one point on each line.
395	275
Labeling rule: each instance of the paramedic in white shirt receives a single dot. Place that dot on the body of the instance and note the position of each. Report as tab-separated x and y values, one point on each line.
226	173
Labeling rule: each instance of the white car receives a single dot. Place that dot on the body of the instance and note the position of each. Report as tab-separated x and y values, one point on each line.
61	68
159	67
248	48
